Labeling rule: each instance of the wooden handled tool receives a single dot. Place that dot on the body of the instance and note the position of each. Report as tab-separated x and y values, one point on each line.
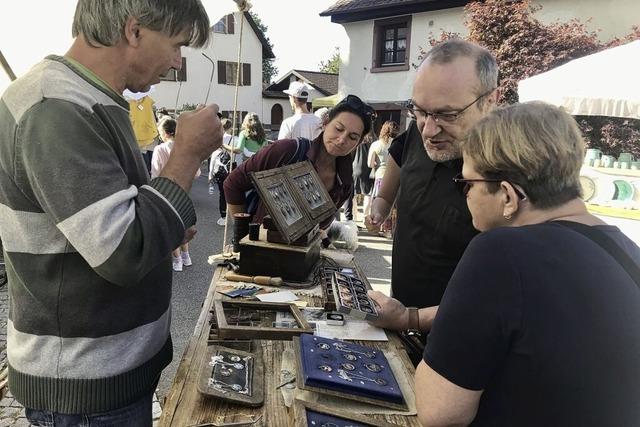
259	280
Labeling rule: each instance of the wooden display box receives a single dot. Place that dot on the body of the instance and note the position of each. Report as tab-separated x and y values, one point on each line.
292	263
257	320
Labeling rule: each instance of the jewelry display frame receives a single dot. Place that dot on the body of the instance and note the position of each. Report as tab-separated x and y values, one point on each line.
350	396
340	301
324	208
266	183
282	196
300	408
251	362
227	330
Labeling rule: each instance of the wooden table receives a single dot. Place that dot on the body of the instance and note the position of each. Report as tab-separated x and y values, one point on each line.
185	406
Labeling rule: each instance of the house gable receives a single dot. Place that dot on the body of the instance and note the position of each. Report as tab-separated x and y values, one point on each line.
345	11
325	83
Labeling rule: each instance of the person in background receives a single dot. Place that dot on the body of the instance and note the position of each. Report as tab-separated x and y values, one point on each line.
144	125
87	236
167	131
302	124
383	204
540	323
377	161
252	137
220	166
362	181
330	154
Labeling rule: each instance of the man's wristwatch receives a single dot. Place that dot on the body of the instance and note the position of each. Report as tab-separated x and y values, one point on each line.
414	321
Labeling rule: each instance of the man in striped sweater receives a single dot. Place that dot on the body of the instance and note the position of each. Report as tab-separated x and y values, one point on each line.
87	235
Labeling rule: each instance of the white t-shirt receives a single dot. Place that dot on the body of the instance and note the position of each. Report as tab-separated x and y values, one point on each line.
305	125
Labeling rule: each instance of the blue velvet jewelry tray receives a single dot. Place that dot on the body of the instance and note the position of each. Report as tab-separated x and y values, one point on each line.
350	369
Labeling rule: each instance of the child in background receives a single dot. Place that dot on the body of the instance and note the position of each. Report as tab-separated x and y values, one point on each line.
167	129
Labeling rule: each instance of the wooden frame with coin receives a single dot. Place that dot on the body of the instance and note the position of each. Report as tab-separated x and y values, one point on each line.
232	375
260	322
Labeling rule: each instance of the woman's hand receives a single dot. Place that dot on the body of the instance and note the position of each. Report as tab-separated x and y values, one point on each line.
392	314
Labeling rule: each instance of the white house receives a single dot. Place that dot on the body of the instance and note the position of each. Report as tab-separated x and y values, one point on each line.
384	36
217	75
275	104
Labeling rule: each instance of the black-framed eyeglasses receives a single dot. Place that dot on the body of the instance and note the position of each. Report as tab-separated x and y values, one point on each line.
359	105
464	185
418	113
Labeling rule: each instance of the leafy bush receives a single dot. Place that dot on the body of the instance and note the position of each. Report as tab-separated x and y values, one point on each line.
524	47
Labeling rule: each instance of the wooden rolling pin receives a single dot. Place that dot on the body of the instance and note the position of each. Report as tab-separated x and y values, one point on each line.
259	280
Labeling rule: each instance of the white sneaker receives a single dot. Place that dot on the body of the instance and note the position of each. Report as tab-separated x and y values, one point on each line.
177	264
186	259
221	221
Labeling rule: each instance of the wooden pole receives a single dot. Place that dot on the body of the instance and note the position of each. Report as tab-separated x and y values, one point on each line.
6	67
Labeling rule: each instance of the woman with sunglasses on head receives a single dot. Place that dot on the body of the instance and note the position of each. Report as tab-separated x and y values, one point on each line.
329	153
540	323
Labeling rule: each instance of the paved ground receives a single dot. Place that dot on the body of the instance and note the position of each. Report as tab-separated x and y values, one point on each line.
190	287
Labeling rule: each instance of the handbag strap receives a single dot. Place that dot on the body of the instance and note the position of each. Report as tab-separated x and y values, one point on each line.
608	244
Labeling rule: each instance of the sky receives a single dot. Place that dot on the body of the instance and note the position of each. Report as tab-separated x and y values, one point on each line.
32	29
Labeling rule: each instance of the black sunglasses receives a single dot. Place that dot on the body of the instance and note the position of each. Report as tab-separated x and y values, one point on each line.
358	105
464	185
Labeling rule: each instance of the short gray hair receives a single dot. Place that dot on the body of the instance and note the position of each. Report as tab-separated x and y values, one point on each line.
102	22
452	49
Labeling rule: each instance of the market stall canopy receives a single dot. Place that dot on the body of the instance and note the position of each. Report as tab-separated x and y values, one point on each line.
326	101
606	83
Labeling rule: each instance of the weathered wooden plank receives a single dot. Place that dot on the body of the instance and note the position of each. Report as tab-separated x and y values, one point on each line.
185	406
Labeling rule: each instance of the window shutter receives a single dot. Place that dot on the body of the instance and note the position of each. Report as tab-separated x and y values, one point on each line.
222	72
182	74
246	74
230	23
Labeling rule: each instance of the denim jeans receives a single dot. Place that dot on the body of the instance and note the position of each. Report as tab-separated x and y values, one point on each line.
137	414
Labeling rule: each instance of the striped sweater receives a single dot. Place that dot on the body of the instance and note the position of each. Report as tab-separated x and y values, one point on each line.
87	239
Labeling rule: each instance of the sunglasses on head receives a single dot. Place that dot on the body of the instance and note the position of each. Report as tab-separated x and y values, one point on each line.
358	105
464	185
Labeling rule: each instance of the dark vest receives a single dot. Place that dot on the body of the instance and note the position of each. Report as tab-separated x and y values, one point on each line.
433	228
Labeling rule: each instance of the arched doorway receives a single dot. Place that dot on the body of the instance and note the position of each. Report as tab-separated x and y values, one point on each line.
276	117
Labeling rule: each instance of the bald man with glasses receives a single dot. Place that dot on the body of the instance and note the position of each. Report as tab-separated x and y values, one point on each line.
454	88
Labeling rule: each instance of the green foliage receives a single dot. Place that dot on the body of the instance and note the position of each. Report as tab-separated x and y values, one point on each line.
187	107
524	47
269	69
332	65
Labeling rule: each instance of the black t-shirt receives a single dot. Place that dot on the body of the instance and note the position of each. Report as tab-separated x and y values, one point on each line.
397	147
547	323
433	225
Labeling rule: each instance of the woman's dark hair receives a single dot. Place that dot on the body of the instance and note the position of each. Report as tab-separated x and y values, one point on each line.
168	125
355	105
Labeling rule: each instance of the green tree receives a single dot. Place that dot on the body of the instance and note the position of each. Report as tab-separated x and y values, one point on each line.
332	65
269	69
524	47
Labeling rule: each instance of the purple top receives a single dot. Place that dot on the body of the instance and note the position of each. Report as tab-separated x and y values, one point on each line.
276	155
